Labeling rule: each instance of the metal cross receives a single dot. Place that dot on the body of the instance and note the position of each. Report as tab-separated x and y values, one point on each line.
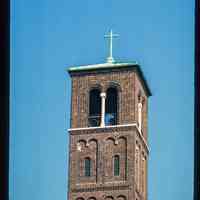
111	35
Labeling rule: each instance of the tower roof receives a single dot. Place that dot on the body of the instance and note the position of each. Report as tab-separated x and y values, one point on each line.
111	66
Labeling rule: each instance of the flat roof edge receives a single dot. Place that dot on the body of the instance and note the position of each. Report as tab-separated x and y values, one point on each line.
100	66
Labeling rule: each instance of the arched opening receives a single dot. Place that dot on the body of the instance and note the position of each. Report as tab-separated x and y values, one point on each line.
111	106
87	166
121	197
94	108
80	198
92	198
116	165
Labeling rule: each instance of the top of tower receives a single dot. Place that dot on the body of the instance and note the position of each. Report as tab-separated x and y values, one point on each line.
111	66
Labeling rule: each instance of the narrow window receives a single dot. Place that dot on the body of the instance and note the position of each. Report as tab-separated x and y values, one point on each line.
94	108
116	165
111	106
87	167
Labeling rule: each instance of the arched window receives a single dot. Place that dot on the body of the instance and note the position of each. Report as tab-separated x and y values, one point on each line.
80	198
92	198
111	106
116	165
94	108
87	167
121	197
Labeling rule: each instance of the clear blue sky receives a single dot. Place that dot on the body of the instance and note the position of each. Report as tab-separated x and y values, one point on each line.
48	36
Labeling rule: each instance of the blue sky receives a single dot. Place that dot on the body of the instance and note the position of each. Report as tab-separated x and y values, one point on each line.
48	36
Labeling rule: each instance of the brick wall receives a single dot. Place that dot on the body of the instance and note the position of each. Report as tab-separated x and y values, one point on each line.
101	144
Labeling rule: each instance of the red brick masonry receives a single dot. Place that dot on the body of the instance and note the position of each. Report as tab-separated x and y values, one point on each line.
100	144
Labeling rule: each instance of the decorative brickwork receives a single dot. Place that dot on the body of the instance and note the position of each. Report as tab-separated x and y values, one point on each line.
101	145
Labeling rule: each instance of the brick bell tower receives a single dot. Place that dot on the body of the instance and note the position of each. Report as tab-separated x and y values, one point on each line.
108	136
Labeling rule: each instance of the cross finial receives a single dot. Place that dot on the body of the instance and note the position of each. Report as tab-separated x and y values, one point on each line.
111	35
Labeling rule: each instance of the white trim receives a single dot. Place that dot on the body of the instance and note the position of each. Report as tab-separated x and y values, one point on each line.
140	115
99	127
103	102
140	133
113	126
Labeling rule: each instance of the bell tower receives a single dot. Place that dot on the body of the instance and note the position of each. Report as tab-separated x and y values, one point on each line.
108	150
